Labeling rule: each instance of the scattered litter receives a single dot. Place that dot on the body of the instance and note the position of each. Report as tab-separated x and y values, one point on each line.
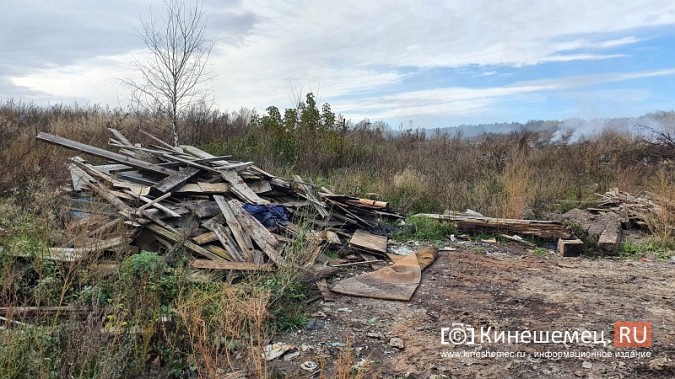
309	365
290	356
314	324
275	350
400	250
376	335
397	343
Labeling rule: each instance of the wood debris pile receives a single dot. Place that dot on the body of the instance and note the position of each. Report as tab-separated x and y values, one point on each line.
184	195
636	209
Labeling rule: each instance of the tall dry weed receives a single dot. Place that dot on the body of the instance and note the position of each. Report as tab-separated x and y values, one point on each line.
662	222
517	177
225	326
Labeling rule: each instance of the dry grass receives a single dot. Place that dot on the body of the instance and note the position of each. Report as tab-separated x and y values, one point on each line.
224	326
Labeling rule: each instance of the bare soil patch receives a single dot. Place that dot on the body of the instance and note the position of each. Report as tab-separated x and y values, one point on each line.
504	288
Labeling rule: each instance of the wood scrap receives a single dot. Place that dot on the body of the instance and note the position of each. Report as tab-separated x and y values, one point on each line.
167	197
369	242
541	229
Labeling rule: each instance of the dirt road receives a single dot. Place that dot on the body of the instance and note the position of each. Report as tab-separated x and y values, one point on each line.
504	289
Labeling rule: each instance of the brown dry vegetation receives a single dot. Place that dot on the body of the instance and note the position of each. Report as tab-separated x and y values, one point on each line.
220	326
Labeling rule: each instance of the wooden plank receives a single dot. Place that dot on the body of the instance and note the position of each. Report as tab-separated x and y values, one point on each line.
121	206
202	187
177	238
91	170
308	193
238	187
78	176
369	203
242	239
120	137
199	153
257	231
153	202
203	209
74	145
223	235
205	238
137	178
234	266
175	180
260	186
541	229
71	254
112	167
368	241
158	140
252	223
219	251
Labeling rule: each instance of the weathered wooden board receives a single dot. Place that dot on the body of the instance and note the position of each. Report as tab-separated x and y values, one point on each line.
541	229
257	231
175	180
176	238
74	145
234	266
242	239
205	238
202	187
259	186
238	187
610	237
223	235
369	242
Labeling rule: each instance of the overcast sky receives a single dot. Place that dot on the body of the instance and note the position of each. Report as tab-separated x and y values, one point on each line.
419	63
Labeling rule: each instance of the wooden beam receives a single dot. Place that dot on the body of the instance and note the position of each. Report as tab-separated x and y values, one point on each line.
541	229
102	153
234	266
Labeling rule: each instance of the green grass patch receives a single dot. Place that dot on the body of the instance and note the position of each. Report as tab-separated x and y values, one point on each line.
424	229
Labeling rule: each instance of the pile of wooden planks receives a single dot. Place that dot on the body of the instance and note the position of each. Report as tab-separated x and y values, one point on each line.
535	228
637	209
186	196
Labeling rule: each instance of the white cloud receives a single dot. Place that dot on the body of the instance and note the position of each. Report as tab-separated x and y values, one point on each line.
462	100
354	49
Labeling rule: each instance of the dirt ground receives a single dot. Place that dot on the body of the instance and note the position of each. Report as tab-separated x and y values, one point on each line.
508	289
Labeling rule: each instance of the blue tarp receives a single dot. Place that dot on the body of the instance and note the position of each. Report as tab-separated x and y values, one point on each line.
268	215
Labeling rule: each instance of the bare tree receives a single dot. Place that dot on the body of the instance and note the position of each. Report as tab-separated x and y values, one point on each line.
173	72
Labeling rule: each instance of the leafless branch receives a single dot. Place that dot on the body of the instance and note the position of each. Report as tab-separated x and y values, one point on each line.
173	73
